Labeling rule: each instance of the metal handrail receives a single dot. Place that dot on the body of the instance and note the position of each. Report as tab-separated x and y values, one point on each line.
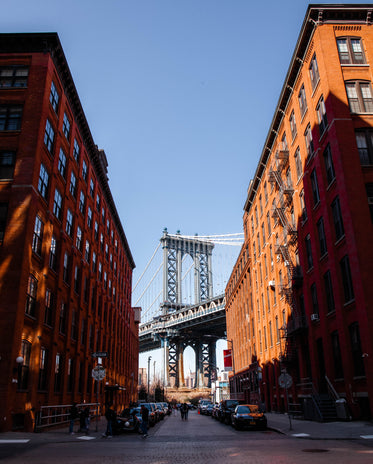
331	389
58	414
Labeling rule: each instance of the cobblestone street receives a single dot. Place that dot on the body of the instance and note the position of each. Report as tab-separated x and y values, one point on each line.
200	439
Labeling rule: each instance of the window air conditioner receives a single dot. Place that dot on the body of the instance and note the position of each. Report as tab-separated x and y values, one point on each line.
314	317
271	283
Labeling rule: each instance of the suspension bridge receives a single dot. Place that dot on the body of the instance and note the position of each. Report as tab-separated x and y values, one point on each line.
179	305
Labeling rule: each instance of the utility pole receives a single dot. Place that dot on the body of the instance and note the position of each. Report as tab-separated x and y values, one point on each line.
149	358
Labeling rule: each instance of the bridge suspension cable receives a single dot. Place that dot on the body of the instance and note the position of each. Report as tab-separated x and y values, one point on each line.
151	280
146	267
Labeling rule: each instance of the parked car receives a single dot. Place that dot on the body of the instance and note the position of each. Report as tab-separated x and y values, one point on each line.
216	411
128	420
205	408
161	410
248	415
202	404
227	407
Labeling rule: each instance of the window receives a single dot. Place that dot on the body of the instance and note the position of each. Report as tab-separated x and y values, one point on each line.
329	292
321	115
57	204
99	271
368	188
302	101
338	365
32	287
298	163
348	289
337	219
364	141
57	373
49	136
82	202
309	140
79	237
284	142
315	304
329	166
303	206
43	181
69	223
350	50
66	126
43	363
94	261
91	187
73	184
86	252
293	125
10	117
265	192
63	316
62	163
84	170
98	202
260	205
37	238
356	351
309	251
70	375
54	97
103	215
315	188
66	268
48	307
76	151
263	234
89	217
23	371
74	325
359	94
83	332
314	72
322	239
7	163
53	254
96	231
3	216
102	241
268	223
77	280
13	77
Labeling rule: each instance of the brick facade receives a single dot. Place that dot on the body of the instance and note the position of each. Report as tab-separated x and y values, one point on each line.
65	264
300	296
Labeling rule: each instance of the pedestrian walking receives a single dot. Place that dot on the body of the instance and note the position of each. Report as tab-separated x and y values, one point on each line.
74	414
87	418
184	411
145	420
110	415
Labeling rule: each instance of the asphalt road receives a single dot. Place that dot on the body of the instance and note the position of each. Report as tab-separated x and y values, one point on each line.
200	440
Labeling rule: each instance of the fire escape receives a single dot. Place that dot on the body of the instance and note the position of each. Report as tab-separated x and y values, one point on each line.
285	245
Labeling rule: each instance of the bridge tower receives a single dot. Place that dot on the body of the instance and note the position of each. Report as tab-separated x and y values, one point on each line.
174	248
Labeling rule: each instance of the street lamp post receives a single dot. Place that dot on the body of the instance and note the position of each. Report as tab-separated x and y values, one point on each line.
149	358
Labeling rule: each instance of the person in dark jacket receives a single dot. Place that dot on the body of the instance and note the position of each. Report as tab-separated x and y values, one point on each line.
110	415
145	420
74	414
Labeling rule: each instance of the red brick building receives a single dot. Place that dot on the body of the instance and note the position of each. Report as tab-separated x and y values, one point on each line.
300	297
65	264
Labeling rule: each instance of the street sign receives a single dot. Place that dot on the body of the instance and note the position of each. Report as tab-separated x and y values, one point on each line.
100	354
98	373
285	380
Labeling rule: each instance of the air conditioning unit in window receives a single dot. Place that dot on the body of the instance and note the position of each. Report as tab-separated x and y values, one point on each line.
370	200
314	317
271	284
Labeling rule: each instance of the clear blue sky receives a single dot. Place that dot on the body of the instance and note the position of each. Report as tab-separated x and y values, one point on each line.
180	95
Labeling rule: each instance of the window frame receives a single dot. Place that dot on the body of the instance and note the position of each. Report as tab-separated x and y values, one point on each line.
350	53
357	103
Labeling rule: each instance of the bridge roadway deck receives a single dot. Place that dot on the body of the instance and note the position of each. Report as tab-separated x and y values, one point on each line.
189	323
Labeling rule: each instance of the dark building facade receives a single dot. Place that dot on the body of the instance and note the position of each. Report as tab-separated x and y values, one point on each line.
65	264
300	299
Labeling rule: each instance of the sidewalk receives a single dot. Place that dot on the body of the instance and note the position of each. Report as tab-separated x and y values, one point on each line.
300	428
